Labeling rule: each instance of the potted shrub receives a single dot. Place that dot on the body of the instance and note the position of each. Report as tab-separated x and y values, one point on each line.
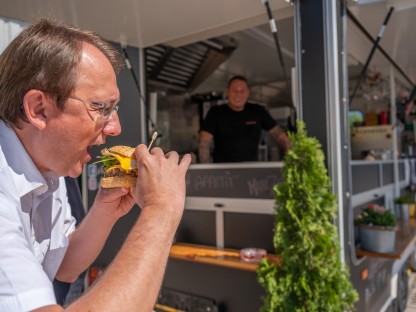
403	207
377	227
311	275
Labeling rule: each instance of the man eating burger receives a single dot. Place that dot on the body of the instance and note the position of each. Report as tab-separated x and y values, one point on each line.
59	97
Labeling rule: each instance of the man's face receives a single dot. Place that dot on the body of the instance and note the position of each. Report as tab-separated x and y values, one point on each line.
237	94
79	126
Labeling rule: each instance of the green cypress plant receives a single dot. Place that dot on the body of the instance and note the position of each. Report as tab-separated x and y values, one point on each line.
311	276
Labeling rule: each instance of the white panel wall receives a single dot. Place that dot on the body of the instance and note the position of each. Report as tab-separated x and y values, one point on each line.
9	29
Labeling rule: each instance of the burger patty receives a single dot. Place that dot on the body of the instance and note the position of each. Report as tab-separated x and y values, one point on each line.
117	172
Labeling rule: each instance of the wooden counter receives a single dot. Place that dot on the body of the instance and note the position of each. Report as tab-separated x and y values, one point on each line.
405	239
212	255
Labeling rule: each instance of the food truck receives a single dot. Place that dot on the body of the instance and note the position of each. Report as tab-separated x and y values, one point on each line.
346	68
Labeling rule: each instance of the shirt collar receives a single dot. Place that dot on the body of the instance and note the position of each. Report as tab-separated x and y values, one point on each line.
26	176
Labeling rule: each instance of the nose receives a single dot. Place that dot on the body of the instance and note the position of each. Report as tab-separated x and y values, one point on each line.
112	126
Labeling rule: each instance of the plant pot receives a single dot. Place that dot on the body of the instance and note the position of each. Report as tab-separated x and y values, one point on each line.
378	239
402	211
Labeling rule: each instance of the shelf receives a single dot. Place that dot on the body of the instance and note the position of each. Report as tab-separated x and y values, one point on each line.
405	239
215	256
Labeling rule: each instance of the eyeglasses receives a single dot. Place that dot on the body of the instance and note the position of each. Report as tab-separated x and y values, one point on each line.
105	110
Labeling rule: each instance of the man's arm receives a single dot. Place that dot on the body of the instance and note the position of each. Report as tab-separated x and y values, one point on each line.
133	279
205	139
280	137
86	242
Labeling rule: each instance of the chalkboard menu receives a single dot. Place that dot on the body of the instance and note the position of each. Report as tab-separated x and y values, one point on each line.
233	182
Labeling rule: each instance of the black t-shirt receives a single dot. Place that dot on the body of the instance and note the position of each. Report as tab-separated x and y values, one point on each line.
237	134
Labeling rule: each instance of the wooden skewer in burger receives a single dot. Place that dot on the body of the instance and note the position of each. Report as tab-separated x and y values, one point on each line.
120	166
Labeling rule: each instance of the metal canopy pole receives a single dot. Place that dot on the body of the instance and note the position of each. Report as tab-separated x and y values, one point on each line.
273	27
370	56
393	118
369	37
140	87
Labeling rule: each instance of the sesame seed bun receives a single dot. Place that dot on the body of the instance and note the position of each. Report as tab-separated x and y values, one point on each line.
121	150
123	181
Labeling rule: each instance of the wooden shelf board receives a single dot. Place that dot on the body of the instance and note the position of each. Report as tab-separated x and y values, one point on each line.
215	256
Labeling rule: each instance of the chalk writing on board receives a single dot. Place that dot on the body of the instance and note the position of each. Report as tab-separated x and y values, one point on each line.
257	186
212	181
256	183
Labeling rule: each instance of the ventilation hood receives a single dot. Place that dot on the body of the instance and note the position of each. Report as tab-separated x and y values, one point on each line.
182	69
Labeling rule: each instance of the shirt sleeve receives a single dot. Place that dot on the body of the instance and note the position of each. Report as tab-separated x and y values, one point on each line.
267	121
24	286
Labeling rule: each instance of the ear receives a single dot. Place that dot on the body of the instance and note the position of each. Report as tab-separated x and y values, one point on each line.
37	106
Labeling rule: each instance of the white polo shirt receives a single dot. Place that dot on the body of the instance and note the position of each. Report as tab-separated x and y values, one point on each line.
35	222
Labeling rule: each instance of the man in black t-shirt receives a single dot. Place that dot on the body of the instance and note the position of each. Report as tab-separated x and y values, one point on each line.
236	127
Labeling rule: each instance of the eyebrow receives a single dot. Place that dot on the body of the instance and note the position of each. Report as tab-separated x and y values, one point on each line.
108	101
116	101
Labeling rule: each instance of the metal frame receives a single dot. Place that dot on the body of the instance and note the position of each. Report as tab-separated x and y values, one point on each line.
221	205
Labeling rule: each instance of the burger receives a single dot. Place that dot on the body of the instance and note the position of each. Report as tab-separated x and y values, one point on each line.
120	167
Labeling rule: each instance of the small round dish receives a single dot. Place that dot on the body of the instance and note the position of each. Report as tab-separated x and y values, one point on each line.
252	254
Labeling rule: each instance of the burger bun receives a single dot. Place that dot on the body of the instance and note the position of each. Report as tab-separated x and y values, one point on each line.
119	181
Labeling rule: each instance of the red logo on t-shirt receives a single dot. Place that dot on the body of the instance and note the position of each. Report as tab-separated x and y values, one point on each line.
251	122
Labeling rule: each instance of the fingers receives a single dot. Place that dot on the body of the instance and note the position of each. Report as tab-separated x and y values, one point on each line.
161	179
185	161
141	150
132	190
157	151
172	156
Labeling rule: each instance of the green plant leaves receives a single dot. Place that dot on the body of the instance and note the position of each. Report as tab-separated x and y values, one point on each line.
107	160
405	199
311	276
371	217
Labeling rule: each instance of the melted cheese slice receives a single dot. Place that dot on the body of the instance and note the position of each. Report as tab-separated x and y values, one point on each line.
126	163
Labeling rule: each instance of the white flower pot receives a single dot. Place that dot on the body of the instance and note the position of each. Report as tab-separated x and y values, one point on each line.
378	239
